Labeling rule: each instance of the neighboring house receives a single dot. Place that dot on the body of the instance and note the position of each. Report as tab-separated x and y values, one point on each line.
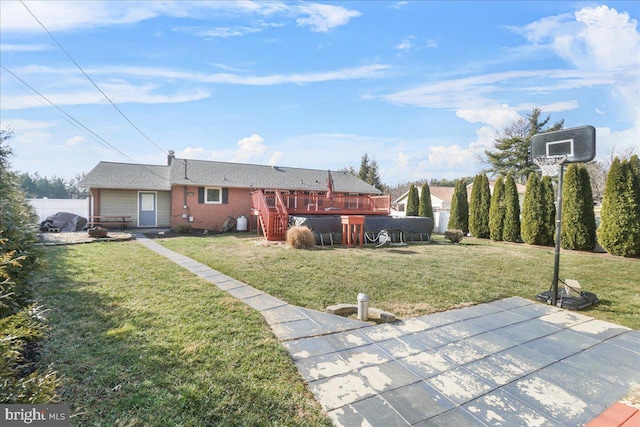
206	193
440	200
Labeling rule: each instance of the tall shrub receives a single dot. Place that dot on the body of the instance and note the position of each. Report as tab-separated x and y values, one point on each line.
19	317
496	212
619	232
426	208
548	195
578	218
459	214
479	207
533	227
511	230
412	201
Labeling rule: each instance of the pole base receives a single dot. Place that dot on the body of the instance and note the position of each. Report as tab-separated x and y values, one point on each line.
571	302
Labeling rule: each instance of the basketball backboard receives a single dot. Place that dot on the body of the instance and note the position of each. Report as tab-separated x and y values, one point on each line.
578	144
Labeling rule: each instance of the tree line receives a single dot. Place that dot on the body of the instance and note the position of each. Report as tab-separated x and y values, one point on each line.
498	216
36	187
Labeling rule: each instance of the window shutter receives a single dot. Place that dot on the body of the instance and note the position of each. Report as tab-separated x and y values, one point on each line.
200	195
225	196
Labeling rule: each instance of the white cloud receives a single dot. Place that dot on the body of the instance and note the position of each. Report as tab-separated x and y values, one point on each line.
602	43
9	47
276	158
450	156
117	92
75	15
405	44
399	4
431	44
616	142
194	153
220	32
324	17
24	125
499	117
249	148
75	141
362	72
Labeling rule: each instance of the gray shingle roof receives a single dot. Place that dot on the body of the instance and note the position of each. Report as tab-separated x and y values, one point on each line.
219	174
223	174
127	176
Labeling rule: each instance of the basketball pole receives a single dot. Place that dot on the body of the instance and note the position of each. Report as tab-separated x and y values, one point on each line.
556	266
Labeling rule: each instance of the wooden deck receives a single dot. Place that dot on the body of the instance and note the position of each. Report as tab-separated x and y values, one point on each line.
274	207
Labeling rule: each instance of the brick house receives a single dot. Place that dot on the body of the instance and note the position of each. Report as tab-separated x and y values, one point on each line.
206	193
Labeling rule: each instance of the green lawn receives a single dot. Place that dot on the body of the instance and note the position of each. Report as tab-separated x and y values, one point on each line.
420	278
139	341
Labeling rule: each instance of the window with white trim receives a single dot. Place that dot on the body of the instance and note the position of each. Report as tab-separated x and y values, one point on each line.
213	195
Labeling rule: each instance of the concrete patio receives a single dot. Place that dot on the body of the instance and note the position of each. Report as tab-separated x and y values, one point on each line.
508	362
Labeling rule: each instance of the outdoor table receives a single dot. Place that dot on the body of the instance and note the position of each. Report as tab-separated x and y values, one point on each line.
352	226
122	220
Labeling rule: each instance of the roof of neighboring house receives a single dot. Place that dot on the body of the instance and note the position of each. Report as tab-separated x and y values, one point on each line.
443	193
446	193
220	174
127	176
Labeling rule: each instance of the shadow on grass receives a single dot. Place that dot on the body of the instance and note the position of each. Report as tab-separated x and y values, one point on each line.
123	362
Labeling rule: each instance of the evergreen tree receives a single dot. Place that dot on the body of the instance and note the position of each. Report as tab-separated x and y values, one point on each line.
459	214
511	148
412	201
549	206
496	212
619	232
533	227
426	208
511	228
479	207
578	218
369	172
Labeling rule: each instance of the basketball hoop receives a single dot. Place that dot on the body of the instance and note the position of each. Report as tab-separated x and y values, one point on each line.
550	164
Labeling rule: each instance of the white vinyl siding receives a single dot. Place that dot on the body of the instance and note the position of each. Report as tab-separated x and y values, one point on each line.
125	202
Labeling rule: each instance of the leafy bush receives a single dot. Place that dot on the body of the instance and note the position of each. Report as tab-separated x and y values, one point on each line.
184	228
300	237
454	236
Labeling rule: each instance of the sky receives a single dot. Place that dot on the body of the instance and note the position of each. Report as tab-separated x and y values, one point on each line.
421	87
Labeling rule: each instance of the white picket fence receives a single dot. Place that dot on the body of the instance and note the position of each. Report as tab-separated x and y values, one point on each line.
46	207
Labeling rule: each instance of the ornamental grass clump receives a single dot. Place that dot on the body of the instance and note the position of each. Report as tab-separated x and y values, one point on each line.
300	237
454	236
184	228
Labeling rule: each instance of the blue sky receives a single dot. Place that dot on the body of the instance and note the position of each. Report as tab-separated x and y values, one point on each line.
421	86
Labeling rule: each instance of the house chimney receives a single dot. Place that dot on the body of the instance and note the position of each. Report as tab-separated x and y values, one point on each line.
171	156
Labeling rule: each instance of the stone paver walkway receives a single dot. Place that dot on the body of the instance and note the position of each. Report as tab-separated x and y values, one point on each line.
509	362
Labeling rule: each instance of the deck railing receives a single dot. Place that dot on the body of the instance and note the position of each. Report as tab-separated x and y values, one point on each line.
273	216
274	207
319	204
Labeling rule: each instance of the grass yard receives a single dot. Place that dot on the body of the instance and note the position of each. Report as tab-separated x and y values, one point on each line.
138	341
420	278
